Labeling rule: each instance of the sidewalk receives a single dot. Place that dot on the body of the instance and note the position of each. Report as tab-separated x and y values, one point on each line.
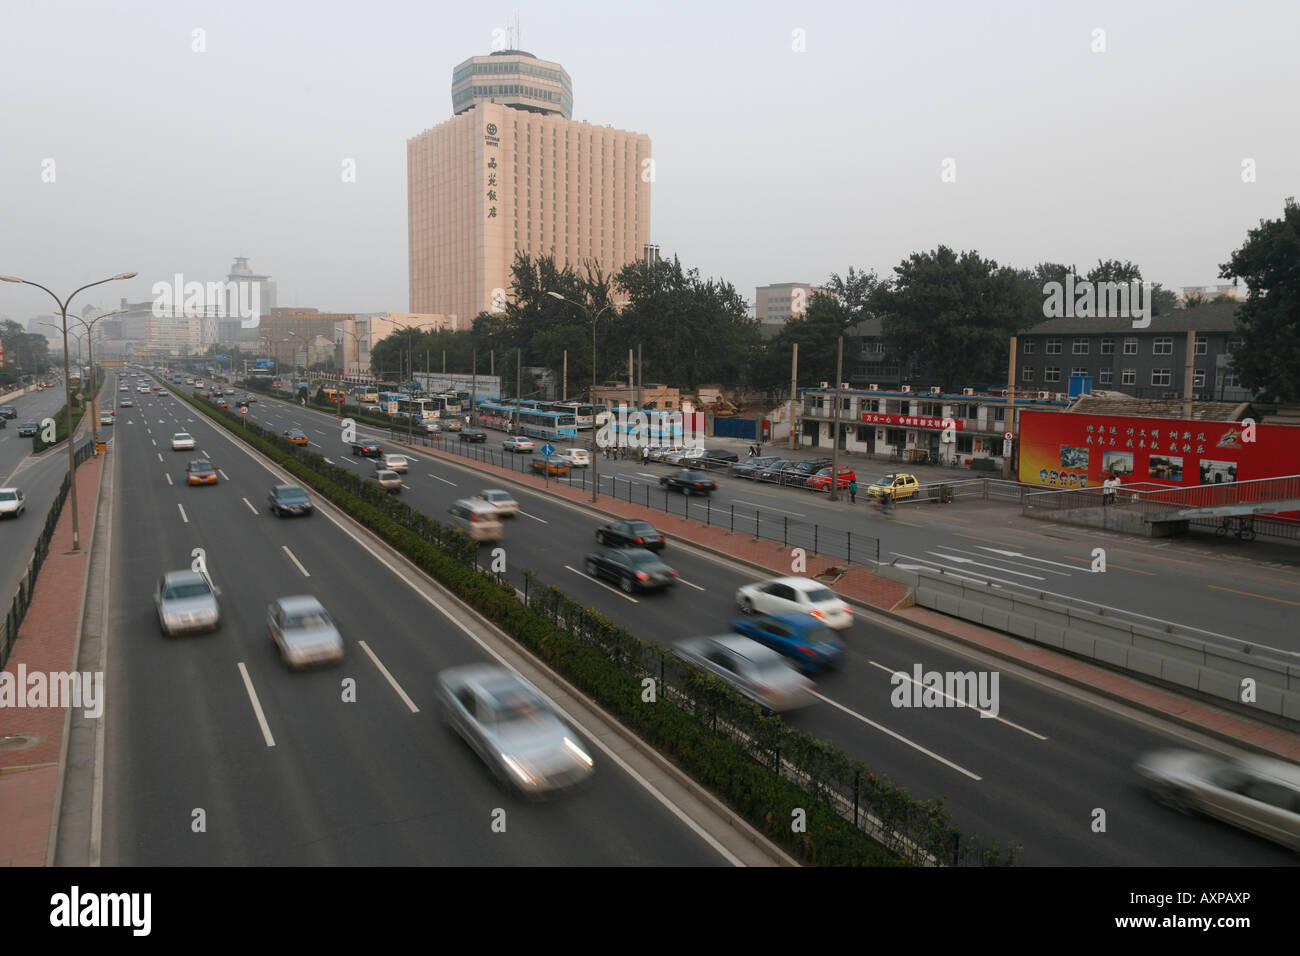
47	643
860	584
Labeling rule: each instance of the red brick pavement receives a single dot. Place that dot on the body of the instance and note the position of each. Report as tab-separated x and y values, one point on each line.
47	642
859	583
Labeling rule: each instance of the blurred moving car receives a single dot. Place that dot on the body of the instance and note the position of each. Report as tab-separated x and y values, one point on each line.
296	436
518	444
633	569
576	457
795	594
689	482
289	500
28	428
397	463
12	502
303	631
552	467
477	518
126	403
8	411
513	728
390	481
502	501
186	601
755	671
200	472
622	534
473	434
452	424
900	486
182	441
1258	794
806	640
367	448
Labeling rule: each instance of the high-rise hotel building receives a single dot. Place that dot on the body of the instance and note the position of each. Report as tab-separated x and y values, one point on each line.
512	171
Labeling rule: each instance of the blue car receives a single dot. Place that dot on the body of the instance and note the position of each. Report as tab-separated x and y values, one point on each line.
810	644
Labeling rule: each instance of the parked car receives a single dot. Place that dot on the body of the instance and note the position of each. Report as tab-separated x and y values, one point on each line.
1258	794
397	463
795	594
367	448
518	444
803	470
513	729
477	518
502	501
633	569
804	639
576	457
639	534
822	480
200	472
899	485
473	434
785	473
289	500
684	455
689	482
553	467
662	452
751	466
296	436
186	601
28	428
755	671
390	481
772	470
717	456
303	631
12	502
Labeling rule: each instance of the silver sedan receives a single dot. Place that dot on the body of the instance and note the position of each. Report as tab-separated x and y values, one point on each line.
513	728
303	631
755	671
186	601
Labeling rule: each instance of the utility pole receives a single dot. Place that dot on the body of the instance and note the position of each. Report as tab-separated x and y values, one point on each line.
519	381
564	387
492	361
640	379
794	396
835	428
1189	374
473	394
1010	423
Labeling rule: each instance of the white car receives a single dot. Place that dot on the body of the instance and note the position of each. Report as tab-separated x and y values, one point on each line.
685	455
795	594
576	457
518	444
12	502
505	505
182	442
397	463
143	388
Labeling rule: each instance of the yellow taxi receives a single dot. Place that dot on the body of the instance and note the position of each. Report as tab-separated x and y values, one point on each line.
201	473
296	435
555	467
898	486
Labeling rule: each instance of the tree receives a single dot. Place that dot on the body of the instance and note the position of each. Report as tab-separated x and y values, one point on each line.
1268	323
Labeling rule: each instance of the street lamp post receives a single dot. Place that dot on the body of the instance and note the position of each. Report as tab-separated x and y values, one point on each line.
90	341
410	361
592	398
67	386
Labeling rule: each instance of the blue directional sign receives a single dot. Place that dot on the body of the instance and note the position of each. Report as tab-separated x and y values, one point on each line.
548	450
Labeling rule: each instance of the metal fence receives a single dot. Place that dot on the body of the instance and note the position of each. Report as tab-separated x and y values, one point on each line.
22	599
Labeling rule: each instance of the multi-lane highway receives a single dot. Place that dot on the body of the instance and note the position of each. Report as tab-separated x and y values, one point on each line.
1036	774
218	755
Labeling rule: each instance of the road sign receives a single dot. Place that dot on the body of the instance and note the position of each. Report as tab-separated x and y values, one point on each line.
1009	436
1006	448
392	408
548	450
243	409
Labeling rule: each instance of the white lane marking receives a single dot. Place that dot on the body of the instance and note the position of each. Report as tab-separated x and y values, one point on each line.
948	548
167	475
315	444
328	461
958	559
1030	557
389	677
155	442
184	517
319	432
689	584
443	480
222	474
797	514
305	574
257	706
596	580
646	474
897	736
250	506
960	703
534	517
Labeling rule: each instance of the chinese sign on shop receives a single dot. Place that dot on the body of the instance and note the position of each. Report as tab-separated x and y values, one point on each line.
491	141
912	421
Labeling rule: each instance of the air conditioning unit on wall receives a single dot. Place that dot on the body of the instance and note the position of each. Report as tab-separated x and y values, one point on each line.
906	388
968	391
826	385
874	387
936	390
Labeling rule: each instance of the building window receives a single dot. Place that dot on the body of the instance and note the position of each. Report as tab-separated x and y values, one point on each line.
1107	346
1234	343
1163	346
1030	346
1128	376
1162	377
1198	378
1130	346
1079	347
1026	375
1202	346
1079	370
1103	377
1053	347
1051	374
1230	380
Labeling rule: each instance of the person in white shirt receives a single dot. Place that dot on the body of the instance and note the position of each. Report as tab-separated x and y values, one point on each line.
1107	489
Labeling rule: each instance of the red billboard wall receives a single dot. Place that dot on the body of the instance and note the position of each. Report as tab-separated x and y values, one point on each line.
1068	450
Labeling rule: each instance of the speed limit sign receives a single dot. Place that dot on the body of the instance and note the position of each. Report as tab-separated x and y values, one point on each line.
1009	435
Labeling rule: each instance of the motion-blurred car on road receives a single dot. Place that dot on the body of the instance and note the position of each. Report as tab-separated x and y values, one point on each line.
8	411
755	671
303	631
1258	794
576	457
689	482
795	594
809	644
289	500
632	569
476	518
397	463
367	448
126	403
633	534
182	441
12	502
473	434
552	467
502	502
390	481
28	429
200	472
185	601
513	728
295	436
518	444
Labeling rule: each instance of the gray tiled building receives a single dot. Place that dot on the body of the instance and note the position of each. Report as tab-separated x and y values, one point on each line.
1144	363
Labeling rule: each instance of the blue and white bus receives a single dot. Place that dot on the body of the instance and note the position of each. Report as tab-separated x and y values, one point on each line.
533	422
584	415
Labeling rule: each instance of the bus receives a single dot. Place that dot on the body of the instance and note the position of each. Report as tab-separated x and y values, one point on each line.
421	409
584	415
446	404
533	422
366	393
334	394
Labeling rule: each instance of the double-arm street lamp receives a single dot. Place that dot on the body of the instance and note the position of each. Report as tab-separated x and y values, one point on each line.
67	385
592	397
90	341
410	361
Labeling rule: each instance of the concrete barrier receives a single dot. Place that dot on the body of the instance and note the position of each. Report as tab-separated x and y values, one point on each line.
1214	665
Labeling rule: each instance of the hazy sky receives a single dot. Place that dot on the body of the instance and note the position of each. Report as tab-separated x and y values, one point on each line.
772	165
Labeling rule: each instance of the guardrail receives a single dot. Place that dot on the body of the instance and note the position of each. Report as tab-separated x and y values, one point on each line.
23	597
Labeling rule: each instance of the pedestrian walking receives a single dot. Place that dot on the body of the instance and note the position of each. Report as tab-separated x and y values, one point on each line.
1108	490
853	492
1114	488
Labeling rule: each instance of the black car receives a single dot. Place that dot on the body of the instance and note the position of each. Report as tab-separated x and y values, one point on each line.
28	428
803	470
640	534
752	466
8	411
635	569
719	455
367	448
289	500
689	482
473	434
782	472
